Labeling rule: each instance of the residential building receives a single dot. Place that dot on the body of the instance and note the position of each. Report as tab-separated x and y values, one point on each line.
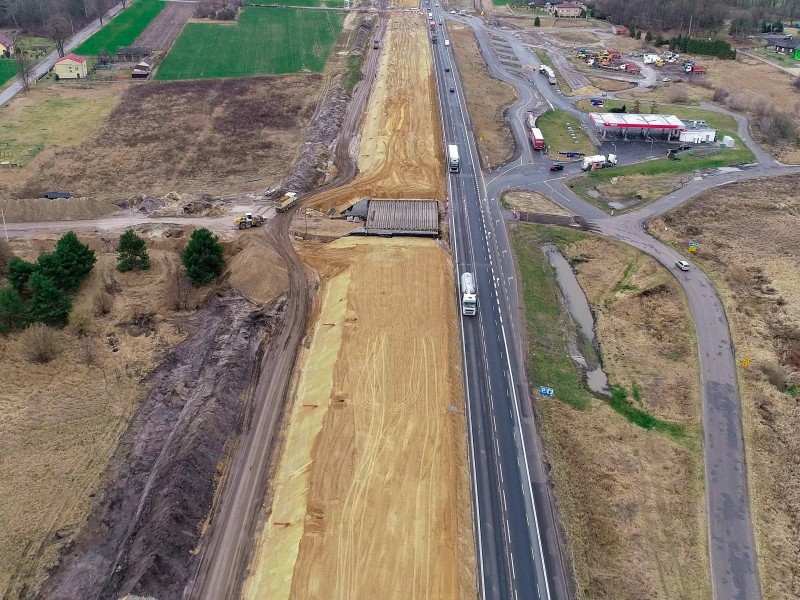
567	9
71	66
6	45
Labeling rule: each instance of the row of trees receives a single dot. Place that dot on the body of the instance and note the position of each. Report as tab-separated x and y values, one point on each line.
718	48
41	291
32	16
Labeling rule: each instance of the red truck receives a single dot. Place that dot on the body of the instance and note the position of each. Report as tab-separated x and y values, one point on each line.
692	69
432	25
534	134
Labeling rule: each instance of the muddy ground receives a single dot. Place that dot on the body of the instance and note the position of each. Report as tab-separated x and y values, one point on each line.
759	283
141	533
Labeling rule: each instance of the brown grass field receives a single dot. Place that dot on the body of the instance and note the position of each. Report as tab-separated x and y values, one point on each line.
760	287
631	500
487	98
194	137
61	421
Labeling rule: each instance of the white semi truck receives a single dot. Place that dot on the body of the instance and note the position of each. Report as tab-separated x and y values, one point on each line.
469	296
453	162
598	161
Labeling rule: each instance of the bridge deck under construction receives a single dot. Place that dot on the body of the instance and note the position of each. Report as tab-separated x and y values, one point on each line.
397	217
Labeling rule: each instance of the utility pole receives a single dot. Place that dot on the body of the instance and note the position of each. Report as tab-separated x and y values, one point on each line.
690	24
2	212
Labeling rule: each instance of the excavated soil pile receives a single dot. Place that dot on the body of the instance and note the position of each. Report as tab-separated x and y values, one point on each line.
141	533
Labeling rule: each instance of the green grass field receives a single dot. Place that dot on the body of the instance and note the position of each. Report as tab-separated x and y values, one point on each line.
553	124
264	41
123	29
8	69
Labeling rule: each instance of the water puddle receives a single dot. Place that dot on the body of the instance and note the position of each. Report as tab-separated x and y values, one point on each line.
586	354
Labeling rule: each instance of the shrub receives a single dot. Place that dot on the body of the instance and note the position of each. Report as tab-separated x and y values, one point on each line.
179	291
678	95
132	252
720	94
5	256
538	23
40	343
19	271
12	311
102	303
80	321
202	257
48	304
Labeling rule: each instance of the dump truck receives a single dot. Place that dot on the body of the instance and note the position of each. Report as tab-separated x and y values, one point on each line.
288	201
598	161
453	161
248	220
469	296
694	69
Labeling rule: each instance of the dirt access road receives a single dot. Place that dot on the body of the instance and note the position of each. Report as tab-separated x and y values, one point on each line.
167	26
373	477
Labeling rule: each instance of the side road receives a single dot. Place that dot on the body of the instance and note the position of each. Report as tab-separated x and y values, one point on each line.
733	560
47	63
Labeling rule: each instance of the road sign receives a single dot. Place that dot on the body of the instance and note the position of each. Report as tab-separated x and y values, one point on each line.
547	391
693	249
692	244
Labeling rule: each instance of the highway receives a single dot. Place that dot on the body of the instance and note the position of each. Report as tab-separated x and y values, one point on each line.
732	551
515	531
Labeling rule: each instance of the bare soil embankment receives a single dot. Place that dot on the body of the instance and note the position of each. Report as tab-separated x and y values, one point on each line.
759	283
371	404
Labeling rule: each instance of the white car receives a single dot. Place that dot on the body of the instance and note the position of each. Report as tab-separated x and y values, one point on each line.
666	80
682	265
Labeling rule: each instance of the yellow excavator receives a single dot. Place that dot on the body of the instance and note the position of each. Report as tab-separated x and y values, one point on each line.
248	220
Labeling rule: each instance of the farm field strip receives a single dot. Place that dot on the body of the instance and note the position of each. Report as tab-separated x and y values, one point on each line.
8	69
264	41
123	29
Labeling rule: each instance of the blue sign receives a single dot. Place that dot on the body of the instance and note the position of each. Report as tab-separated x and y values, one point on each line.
692	244
547	391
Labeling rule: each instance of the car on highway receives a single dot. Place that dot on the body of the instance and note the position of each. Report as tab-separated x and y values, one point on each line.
682	265
556	167
447	69
452	89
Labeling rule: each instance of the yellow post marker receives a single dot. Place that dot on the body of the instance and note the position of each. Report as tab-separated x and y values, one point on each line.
746	363
693	249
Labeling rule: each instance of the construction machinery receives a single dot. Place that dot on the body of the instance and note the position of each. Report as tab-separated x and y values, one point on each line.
288	201
248	220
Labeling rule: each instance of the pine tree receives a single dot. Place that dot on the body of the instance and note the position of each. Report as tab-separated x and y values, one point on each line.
49	304
202	258
132	252
537	22
19	271
76	258
50	265
11	309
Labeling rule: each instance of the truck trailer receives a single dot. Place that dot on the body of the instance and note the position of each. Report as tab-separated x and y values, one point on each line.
598	161
537	139
469	296
453	162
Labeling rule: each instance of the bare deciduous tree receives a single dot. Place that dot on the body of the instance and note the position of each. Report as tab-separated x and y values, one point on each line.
58	30
25	66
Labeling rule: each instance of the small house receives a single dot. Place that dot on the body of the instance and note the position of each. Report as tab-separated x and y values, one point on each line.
786	45
567	9
697	132
141	70
6	45
619	30
71	66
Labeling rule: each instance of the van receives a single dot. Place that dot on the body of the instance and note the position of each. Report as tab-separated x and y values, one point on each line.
447	42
